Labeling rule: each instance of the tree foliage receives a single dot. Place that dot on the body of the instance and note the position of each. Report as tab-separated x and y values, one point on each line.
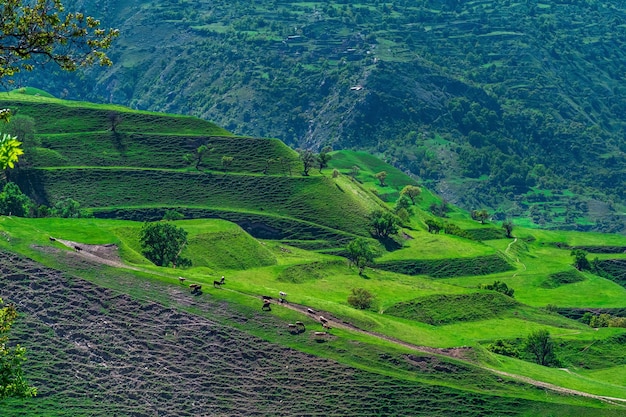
507	225
411	191
10	151
163	243
13	202
499	286
383	223
324	157
308	161
480	215
381	177
361	298
361	253
12	382
196	158
540	346
580	259
38	32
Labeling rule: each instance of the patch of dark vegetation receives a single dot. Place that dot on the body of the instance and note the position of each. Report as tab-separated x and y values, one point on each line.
592	249
445	309
613	269
485	233
102	353
448	268
578	313
562	278
298	274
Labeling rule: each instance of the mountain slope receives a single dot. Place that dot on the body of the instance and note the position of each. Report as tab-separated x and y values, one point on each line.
513	106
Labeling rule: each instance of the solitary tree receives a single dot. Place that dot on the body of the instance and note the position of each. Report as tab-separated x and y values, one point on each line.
480	215
360	253
162	244
115	118
411	191
381	176
196	157
383	223
308	161
580	259
324	157
541	347
507	225
12	382
38	32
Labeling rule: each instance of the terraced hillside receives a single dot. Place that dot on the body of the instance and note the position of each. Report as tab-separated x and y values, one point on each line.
110	158
436	322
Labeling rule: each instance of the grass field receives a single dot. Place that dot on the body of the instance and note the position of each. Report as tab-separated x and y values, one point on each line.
269	230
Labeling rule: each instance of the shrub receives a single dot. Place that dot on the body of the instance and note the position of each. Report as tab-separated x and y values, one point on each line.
361	298
502	347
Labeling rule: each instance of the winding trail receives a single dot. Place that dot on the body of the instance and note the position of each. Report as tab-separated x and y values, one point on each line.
107	254
506	252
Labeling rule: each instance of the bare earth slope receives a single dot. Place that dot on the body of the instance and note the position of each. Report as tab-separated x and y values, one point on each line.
93	351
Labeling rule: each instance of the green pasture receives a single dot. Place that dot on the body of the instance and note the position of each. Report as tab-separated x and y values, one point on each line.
63	116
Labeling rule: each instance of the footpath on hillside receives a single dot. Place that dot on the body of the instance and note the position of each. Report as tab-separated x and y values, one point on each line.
107	254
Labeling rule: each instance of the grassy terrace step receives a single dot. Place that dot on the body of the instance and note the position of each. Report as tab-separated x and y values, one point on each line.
445	309
316	199
447	268
293	232
152	150
62	116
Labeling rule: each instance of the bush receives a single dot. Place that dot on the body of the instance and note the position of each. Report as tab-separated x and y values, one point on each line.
361	298
502	347
14	202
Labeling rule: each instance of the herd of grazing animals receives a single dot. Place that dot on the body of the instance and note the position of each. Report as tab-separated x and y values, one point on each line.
294	328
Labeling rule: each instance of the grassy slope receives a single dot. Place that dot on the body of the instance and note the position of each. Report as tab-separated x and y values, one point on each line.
320	281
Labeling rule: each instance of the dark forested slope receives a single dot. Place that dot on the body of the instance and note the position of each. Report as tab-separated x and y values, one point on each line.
517	106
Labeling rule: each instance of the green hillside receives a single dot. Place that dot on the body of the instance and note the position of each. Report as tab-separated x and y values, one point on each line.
438	337
515	106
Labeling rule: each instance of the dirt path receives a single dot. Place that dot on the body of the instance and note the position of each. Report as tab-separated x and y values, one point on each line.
508	249
107	254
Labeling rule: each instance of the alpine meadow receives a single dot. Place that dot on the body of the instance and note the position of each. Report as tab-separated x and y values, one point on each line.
274	208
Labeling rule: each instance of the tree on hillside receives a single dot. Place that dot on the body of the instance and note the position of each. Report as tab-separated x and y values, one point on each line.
580	259
23	128
35	33
381	176
227	161
12	383
507	225
411	191
162	244
433	226
15	203
361	253
196	157
541	347
324	157
383	223
308	161
480	215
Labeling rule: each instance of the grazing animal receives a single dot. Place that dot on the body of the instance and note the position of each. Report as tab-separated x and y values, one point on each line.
323	320
181	280
52	239
266	298
78	248
320	333
291	326
299	323
222	280
326	326
217	284
311	311
195	288
283	294
267	306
